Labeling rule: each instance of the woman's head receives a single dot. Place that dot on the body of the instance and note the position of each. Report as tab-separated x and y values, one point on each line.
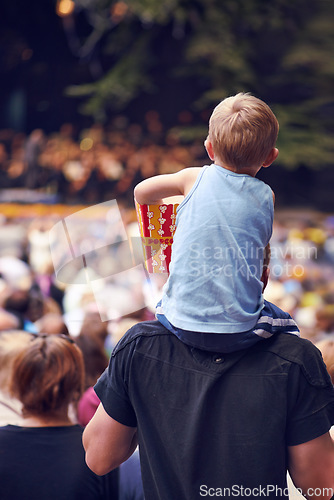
48	375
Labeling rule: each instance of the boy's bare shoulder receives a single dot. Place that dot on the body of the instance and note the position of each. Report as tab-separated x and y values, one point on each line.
190	175
192	170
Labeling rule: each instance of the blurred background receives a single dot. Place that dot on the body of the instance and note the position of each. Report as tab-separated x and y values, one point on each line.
97	95
142	73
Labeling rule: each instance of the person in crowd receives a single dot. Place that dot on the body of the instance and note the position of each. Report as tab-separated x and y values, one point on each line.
51	323
326	347
8	321
94	328
32	151
27	305
91	341
43	457
213	297
325	320
12	343
87	406
130	479
209	424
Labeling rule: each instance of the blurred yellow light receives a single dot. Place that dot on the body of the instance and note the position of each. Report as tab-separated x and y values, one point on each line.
65	7
316	234
86	144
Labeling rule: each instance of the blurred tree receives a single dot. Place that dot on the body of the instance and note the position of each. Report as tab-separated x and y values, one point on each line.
193	53
35	68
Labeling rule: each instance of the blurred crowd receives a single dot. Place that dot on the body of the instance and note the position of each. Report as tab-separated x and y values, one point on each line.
47	287
40	293
96	164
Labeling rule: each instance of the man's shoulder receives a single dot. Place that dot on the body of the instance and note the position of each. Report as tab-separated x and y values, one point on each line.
302	352
290	346
143	329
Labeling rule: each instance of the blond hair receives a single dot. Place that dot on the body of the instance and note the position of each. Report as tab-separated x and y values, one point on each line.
242	130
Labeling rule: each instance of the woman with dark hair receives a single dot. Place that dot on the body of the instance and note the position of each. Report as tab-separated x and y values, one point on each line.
43	458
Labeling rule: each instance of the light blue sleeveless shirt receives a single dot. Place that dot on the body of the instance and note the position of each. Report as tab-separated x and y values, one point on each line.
223	226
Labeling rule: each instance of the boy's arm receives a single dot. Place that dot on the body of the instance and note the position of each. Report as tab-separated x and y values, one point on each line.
152	191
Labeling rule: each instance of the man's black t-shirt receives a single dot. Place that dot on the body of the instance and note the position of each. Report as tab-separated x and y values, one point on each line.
212	424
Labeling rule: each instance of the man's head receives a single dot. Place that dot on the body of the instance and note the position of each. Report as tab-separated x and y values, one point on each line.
242	133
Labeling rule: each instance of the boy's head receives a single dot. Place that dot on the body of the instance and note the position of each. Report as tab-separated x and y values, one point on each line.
243	131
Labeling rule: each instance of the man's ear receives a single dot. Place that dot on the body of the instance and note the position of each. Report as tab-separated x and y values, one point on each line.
209	149
271	157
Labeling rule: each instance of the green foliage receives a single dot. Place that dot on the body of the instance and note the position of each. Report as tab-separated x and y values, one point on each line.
117	87
153	11
280	50
304	136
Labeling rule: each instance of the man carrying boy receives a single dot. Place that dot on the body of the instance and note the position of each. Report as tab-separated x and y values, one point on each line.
211	424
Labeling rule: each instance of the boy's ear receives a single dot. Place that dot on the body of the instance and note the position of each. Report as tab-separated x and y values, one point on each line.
271	157
209	148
